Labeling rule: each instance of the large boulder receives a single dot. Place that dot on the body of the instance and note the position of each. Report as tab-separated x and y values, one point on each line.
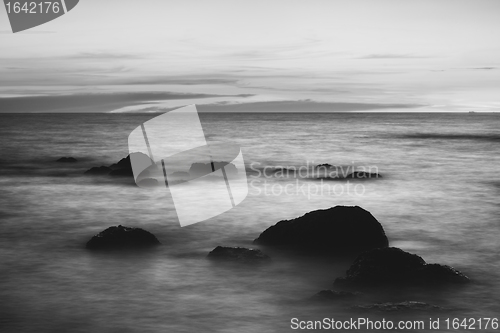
239	254
340	229
120	237
393	266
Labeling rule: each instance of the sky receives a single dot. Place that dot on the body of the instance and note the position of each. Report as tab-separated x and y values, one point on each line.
256	56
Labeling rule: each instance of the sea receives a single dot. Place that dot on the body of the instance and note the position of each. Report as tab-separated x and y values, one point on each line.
438	197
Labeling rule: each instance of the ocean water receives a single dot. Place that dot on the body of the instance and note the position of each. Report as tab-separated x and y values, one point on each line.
438	198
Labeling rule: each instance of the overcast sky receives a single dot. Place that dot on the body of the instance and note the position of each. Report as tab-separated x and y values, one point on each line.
123	55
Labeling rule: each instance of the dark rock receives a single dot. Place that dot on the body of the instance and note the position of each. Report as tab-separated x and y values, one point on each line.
121	173
437	274
240	254
98	171
124	168
124	163
333	295
393	266
401	306
324	165
340	229
67	160
120	237
200	169
363	175
328	178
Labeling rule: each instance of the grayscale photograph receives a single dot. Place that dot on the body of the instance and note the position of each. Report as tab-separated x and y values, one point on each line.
249	166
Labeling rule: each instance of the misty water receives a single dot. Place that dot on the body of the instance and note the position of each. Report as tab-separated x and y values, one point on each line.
438	198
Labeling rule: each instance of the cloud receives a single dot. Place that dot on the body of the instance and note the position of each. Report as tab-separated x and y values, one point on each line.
104	102
391	56
301	106
484	68
160	80
103	56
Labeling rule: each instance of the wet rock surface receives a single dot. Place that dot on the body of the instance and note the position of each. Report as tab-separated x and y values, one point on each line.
340	229
239	254
123	168
393	266
98	171
121	238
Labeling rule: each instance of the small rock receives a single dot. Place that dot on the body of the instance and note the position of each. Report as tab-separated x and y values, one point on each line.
67	160
120	237
324	165
124	167
240	254
98	171
328	178
393	266
363	175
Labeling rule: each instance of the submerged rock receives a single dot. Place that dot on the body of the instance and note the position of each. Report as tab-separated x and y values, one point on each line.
98	171
324	165
340	229
401	306
121	173
67	160
333	295
120	237
148	183
240	254
123	168
363	175
393	266
124	163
